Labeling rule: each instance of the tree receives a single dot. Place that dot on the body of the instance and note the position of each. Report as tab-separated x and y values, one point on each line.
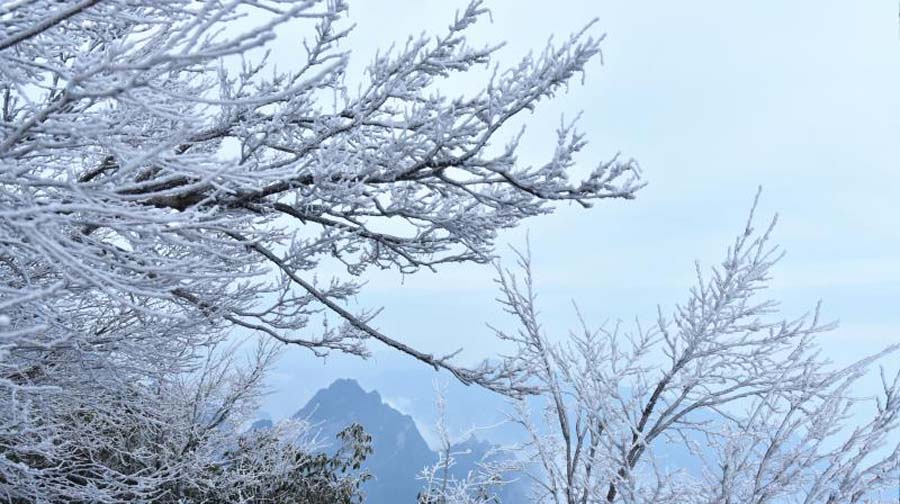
481	485
115	120
268	467
162	188
747	395
124	431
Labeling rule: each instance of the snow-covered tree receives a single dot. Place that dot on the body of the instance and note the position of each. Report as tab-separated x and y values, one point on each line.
162	186
268	466
722	402
85	427
118	121
483	484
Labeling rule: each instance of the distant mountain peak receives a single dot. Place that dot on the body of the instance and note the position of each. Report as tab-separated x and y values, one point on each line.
345	401
342	393
400	452
348	385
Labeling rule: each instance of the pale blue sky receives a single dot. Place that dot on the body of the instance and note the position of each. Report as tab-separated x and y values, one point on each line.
712	98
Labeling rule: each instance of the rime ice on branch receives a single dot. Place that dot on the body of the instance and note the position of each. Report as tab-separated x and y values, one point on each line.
744	394
131	241
114	119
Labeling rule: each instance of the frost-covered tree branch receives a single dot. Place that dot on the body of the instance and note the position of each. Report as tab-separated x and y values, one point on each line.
150	157
746	396
442	483
163	186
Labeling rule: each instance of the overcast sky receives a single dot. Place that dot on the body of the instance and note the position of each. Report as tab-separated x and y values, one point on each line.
713	99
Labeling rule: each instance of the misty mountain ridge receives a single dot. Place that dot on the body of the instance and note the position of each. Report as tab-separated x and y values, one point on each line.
399	450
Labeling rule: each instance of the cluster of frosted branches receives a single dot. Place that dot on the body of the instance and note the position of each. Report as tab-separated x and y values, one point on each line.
723	402
116	183
123	430
443	484
283	464
161	185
